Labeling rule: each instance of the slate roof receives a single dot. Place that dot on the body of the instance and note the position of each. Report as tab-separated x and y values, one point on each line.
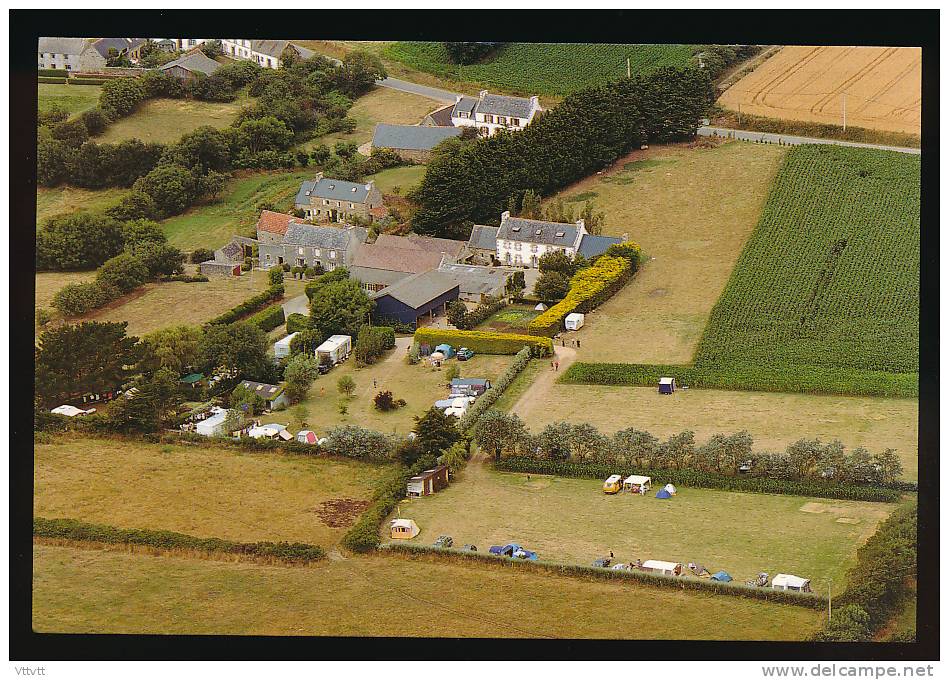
411	137
418	289
409	260
276	48
526	231
377	276
61	45
274	222
232	253
483	237
442	117
333	189
193	61
501	105
317	237
591	246
475	279
266	391
103	45
466	104
429	244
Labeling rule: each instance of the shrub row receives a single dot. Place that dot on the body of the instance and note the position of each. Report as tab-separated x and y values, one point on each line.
809	380
808	600
250	305
590	287
486	401
52	72
51	81
372	342
186	278
481	313
486	342
702	480
76	530
269	318
88	81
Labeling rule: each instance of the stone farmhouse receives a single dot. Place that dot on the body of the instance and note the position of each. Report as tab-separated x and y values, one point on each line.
190	65
522	242
130	47
491	112
411	142
71	54
306	245
335	200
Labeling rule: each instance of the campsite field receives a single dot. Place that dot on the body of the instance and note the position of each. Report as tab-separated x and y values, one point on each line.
773	419
235	212
96	591
73	98
419	385
806	83
691	210
166	120
66	199
573	521
200	490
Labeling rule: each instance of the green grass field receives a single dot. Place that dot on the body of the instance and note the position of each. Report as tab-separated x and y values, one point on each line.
74	98
573	521
541	68
200	490
166	120
66	199
94	591
235	212
825	295
405	178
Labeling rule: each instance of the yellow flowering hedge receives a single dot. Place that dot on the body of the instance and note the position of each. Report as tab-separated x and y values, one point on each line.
485	342
590	287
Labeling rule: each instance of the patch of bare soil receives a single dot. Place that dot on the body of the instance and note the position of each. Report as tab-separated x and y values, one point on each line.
340	512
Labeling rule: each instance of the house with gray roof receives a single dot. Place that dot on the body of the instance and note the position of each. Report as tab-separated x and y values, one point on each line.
334	200
476	282
307	245
491	112
411	142
71	54
267	53
130	47
483	243
522	242
416	298
189	66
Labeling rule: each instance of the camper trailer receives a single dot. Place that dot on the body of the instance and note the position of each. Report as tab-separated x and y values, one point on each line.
403	529
667	385
281	348
613	484
791	582
660	567
335	349
428	482
573	321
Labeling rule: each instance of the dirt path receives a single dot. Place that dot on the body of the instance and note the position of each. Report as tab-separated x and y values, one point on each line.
566	356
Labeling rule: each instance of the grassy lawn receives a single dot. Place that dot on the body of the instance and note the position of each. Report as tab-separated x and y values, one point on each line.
405	178
113	592
166	120
511	319
773	419
157	305
691	210
65	199
573	521
235	212
73	98
419	385
199	490
381	105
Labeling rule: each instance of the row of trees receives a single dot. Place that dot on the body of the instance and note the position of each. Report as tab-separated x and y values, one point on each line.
589	130
502	433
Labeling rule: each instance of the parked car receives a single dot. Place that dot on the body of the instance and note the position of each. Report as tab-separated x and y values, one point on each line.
464	354
324	369
442	541
603	562
469	547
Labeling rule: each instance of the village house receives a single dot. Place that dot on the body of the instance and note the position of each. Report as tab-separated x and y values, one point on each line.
272	226
273	395
491	112
307	245
71	54
483	243
335	200
411	142
267	53
189	66
522	242
393	258
130	47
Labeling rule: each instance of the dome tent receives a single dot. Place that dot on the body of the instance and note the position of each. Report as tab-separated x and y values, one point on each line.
662	493
722	576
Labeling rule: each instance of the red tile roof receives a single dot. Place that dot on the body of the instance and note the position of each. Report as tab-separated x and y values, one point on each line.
274	222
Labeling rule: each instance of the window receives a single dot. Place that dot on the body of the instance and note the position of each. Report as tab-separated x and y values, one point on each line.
516	122
332	254
68	67
299	251
502	120
533	247
316	252
488	118
352	206
325	202
462	114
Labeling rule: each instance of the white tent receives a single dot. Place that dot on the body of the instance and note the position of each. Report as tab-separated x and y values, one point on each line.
457	412
660	567
71	411
541	307
671	489
267	431
306	437
791	582
637	481
281	348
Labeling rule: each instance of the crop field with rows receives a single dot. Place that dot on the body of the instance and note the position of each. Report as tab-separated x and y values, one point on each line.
541	68
825	296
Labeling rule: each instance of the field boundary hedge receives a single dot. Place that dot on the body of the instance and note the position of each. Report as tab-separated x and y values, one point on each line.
810	601
805	379
702	480
249	306
486	342
77	530
269	318
52	73
487	400
729	119
49	80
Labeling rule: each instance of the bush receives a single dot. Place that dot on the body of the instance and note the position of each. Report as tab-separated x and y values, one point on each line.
123	272
269	318
275	276
75	299
385	402
199	255
51	81
297	322
486	400
52	72
479	314
249	306
372	342
95	121
185	278
88	81
485	342
76	530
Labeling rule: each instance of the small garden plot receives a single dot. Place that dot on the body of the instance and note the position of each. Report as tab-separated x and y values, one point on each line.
511	319
201	490
573	521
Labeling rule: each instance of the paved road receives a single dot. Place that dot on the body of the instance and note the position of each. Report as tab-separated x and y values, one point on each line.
770	138
423	90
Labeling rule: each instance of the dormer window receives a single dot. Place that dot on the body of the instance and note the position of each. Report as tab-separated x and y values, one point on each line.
308	193
353	190
515	228
332	186
560	234
538	232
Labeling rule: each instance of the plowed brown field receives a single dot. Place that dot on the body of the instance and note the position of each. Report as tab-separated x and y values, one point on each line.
882	86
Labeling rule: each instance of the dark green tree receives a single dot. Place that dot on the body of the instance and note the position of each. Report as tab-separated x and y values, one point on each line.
435	431
339	307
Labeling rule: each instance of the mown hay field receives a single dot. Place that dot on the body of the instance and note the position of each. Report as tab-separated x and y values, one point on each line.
92	591
807	83
201	490
166	120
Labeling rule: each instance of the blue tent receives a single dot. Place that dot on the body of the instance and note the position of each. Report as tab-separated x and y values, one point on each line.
662	493
722	576
446	350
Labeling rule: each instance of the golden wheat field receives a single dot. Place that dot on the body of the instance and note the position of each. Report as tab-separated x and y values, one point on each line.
882	87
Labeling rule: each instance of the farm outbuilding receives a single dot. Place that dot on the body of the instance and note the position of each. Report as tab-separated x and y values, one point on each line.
416	298
428	482
634	483
791	582
403	529
667	385
273	395
660	567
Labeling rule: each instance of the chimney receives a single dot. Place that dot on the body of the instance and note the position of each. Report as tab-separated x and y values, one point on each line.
318	176
457	98
506	214
625	237
370	184
581	227
535	103
482	94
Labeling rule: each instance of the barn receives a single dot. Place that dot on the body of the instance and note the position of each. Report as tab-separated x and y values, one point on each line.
411	142
416	298
428	482
193	65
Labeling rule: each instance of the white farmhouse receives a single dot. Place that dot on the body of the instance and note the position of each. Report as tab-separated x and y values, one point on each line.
490	112
522	242
71	54
267	53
